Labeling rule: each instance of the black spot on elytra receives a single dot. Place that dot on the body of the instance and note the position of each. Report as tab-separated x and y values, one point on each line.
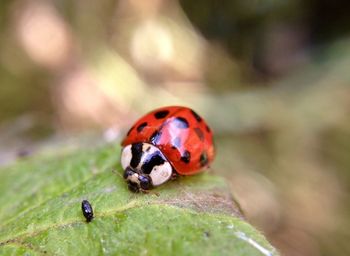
141	126
199	133
136	152
181	123
155	137
153	160
203	160
207	128
186	157
176	143
130	130
161	114
198	118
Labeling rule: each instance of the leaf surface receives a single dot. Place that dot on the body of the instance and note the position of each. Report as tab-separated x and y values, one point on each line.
41	211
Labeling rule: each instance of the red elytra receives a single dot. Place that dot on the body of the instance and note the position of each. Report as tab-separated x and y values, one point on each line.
180	134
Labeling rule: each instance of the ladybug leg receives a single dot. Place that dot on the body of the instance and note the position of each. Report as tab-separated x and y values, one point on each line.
149	192
174	176
133	187
144	191
209	169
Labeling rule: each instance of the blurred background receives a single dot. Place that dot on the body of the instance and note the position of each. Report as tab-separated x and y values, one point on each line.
271	78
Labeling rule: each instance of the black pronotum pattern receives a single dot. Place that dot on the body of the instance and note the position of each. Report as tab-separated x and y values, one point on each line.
155	159
136	152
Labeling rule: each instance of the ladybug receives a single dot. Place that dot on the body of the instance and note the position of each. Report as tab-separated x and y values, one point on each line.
164	143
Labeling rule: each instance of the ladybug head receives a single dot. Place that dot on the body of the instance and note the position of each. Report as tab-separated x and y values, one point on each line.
144	166
136	181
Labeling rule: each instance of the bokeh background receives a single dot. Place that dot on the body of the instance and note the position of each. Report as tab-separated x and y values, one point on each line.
271	77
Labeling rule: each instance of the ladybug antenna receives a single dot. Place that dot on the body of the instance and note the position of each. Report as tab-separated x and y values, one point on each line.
118	173
149	192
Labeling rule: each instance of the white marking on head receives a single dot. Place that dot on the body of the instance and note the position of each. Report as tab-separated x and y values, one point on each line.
126	156
161	173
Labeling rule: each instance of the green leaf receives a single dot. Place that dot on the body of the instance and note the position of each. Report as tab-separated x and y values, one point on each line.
41	211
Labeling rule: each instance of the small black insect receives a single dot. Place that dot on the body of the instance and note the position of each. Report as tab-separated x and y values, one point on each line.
87	210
